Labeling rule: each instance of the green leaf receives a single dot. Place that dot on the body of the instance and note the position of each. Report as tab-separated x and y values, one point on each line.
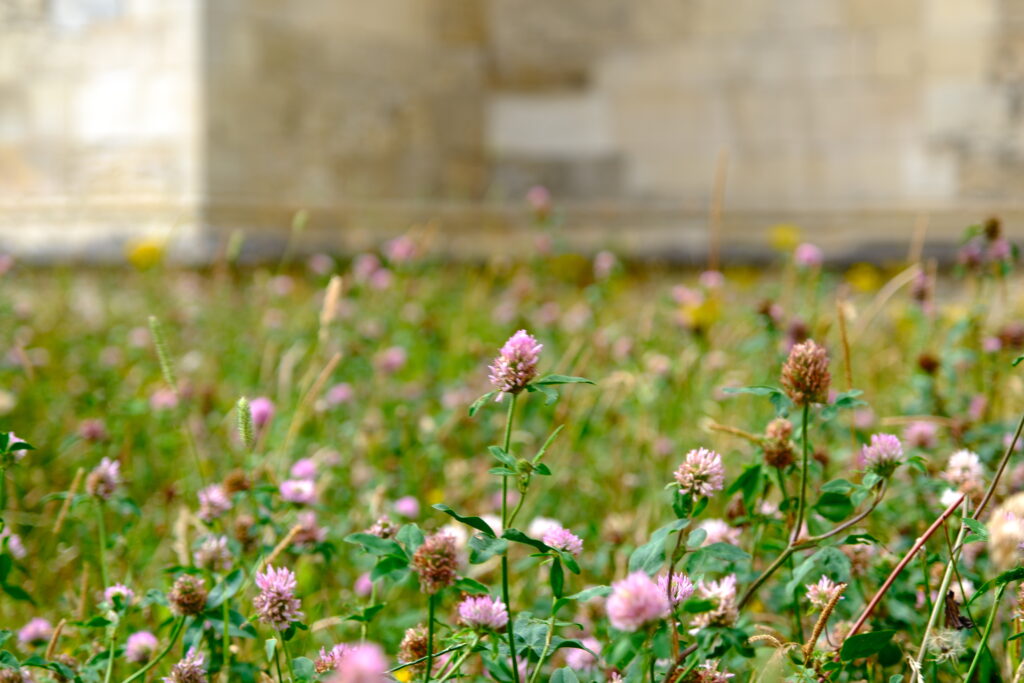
225	589
471	586
304	669
757	390
483	548
388	565
18	593
477	404
650	556
1009	576
547	444
560	379
712	557
564	675
375	545
838	486
519	537
698	605
749	482
411	537
9	659
557	578
475	522
589	593
1018	360
978	530
366	614
864	645
550	395
5	635
833	506
270	646
499	453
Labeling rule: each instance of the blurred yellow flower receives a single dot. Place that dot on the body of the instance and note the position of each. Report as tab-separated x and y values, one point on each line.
864	277
784	237
435	496
405	675
146	252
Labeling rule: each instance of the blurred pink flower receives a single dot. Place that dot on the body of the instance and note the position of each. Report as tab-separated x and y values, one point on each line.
807	255
635	601
163	399
339	393
407	506
298	491
304	468
391	360
262	409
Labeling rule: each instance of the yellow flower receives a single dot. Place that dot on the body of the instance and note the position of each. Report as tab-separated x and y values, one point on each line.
146	252
404	675
435	496
784	237
864	277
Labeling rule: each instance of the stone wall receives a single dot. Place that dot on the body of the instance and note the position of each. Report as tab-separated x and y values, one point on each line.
99	115
207	116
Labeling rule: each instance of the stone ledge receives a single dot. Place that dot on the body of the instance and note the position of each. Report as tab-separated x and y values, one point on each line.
97	231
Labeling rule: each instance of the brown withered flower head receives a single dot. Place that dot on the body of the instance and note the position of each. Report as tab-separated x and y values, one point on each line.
188	596
777	443
805	375
435	563
413	647
236	481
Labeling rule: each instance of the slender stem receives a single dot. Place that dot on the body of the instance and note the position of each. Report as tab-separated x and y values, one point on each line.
445	651
102	527
458	662
810	543
517	508
3	494
430	637
803	478
226	637
547	646
277	663
943	587
504	557
999	470
373	599
673	625
984	636
903	563
288	657
110	654
506	443
163	653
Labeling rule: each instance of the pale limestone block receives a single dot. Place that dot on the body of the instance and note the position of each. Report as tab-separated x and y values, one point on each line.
958	15
959	54
899	53
884	13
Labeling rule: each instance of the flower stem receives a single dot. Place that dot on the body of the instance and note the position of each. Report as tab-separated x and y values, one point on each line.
288	657
226	636
940	602
982	646
504	557
3	494
110	654
102	527
458	662
547	646
430	637
163	653
801	503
